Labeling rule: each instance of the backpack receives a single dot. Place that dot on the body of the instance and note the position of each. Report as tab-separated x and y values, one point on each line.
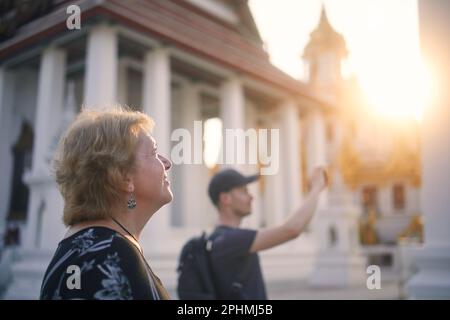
195	278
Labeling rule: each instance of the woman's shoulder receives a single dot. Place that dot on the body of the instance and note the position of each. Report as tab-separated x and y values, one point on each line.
88	239
101	254
95	239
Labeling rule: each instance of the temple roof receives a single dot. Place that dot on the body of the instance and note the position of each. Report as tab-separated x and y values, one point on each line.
175	23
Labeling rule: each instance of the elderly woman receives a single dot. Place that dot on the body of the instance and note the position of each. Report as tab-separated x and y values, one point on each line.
112	180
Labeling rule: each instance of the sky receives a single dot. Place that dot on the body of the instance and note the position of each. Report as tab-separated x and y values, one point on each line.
381	36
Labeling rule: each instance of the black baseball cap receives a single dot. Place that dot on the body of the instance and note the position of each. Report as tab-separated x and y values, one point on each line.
225	180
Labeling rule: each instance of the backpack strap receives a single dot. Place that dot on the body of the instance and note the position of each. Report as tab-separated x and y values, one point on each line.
208	249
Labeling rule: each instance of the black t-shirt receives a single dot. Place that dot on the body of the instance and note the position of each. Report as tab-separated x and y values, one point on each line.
230	255
109	266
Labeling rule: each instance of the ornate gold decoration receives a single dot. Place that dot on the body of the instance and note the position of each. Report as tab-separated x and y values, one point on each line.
367	231
403	163
414	230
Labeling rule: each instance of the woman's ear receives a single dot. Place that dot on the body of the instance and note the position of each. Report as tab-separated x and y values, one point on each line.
128	184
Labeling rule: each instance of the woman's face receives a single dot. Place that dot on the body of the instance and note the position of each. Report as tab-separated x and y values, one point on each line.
151	186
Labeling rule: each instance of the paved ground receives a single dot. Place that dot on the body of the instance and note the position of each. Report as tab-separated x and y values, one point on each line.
296	291
301	291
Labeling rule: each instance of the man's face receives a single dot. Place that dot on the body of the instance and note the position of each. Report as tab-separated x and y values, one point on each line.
241	201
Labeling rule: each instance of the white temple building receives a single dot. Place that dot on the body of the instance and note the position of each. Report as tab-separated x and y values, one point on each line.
182	61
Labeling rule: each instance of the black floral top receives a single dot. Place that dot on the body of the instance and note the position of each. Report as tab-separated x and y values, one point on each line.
99	263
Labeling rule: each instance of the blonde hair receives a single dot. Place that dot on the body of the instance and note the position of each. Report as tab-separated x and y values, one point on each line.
94	156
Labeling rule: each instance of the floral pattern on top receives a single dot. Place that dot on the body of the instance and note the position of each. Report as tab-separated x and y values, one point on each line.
116	286
103	273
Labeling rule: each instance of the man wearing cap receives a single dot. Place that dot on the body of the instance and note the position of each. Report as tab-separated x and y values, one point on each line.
234	259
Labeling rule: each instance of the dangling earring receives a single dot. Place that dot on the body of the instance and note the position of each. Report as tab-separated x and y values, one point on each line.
131	202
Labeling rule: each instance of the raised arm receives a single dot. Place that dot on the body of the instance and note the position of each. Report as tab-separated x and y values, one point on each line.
296	223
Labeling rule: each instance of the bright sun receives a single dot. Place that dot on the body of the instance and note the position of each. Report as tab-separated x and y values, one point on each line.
382	38
399	91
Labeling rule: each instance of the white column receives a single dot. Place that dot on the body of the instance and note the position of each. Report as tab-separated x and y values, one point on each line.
100	82
191	197
290	154
232	109
433	260
232	104
255	219
156	103
316	141
43	200
122	83
274	205
316	152
156	96
50	102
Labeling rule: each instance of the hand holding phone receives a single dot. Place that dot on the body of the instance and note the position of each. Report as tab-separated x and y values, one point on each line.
319	179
